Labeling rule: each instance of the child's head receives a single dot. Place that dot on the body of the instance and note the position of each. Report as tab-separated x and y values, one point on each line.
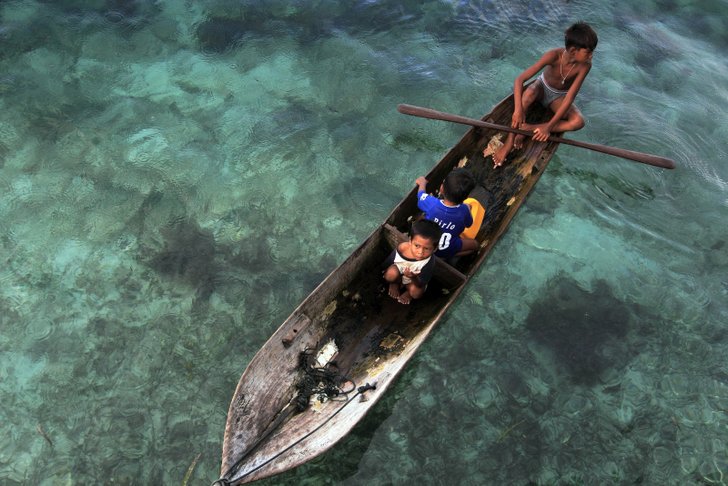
580	35
424	238
457	185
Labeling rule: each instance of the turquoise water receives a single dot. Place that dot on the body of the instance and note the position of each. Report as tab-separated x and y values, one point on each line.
177	176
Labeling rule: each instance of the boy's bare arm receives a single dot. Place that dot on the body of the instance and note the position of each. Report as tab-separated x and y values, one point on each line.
421	183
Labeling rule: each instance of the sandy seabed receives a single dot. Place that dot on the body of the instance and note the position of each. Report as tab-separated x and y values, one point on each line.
177	176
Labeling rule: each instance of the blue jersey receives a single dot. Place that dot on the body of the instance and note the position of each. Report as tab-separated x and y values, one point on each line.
452	219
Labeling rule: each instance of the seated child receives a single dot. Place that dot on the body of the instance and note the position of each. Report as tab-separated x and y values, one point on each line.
411	264
563	71
449	212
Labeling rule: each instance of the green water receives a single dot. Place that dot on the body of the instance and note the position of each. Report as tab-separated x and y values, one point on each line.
176	176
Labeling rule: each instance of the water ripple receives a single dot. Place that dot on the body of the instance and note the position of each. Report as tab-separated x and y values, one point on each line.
39	328
618	217
504	16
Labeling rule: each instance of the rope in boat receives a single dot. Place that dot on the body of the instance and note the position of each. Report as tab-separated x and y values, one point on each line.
320	381
324	382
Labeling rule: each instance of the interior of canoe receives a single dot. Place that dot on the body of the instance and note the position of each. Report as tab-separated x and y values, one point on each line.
367	325
371	329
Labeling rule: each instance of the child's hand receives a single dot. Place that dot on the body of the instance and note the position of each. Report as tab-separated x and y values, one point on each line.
409	273
517	119
421	182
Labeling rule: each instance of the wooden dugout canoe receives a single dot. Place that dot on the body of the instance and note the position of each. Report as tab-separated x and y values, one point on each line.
376	336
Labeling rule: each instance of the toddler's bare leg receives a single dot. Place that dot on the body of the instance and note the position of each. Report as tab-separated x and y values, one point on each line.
394	278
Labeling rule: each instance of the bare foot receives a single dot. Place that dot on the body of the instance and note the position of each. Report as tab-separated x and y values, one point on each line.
502	153
533	128
518	142
404	298
394	291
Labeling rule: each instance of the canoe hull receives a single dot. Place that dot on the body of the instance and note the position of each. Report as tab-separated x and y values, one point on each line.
376	336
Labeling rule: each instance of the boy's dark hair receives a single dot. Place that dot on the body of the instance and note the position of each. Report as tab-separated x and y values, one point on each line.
457	185
426	229
580	35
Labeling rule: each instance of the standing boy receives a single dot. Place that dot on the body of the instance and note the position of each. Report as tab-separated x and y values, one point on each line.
564	71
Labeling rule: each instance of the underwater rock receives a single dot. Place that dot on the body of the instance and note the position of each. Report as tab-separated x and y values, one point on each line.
189	253
583	330
220	34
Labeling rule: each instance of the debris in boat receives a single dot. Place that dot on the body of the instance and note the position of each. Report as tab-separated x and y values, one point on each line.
321	380
326	354
463	162
391	341
511	201
355	297
318	403
329	309
494	144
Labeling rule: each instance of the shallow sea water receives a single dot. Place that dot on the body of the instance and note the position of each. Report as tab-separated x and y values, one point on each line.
176	176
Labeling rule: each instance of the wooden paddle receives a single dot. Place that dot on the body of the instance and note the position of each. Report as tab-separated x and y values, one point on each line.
618	152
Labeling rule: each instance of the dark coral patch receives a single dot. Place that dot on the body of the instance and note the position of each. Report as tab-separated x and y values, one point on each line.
189	253
218	35
584	331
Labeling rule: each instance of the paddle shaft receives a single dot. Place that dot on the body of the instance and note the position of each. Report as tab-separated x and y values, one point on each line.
649	159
